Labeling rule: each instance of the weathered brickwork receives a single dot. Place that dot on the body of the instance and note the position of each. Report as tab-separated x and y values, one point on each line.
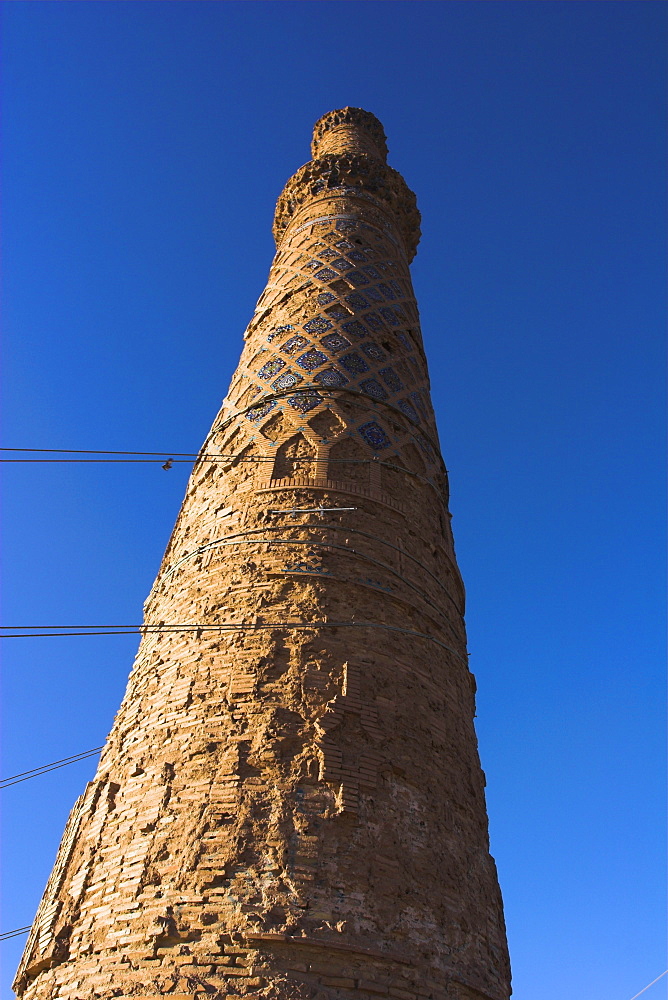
290	803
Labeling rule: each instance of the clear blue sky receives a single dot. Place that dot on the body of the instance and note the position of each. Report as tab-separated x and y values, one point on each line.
145	145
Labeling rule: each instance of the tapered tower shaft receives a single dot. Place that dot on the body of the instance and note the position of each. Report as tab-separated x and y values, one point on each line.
290	803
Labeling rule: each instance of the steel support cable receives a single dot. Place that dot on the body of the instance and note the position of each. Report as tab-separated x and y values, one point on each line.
15	933
95	630
328	527
181	456
35	772
296	541
190	458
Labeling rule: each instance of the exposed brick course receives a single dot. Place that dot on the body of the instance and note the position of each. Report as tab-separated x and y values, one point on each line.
290	803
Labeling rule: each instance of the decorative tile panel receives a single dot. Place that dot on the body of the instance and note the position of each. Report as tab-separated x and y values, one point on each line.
354	363
374	321
355	329
326	274
338	312
334	342
374	435
331	377
409	410
357	301
278	332
390	316
271	368
417	399
257	412
295	344
286	381
318	325
312	359
373	351
391	379
372	387
305	401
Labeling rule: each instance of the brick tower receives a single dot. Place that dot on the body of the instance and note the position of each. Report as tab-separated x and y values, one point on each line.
290	803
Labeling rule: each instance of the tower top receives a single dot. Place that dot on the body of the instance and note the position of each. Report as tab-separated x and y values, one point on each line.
349	130
349	168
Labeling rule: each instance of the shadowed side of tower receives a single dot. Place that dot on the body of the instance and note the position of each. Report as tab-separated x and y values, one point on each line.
290	802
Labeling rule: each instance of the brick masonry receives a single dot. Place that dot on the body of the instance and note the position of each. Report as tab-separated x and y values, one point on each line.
290	803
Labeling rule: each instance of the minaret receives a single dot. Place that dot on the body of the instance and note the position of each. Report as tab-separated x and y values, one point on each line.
290	803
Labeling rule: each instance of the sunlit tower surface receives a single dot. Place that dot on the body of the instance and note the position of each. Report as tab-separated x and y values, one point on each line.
290	803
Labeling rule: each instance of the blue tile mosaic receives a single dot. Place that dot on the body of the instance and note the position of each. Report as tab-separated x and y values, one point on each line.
344	245
374	294
317	325
342	264
326	274
295	344
417	399
355	254
374	321
405	372
334	342
374	435
280	330
391	379
324	298
373	351
354	363
286	381
328	254
346	226
258	412
389	315
357	278
387	291
330	377
305	401
312	265
338	312
355	329
271	368
397	287
312	360
357	301
409	410
372	387
415	368
425	446
373	273
405	341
